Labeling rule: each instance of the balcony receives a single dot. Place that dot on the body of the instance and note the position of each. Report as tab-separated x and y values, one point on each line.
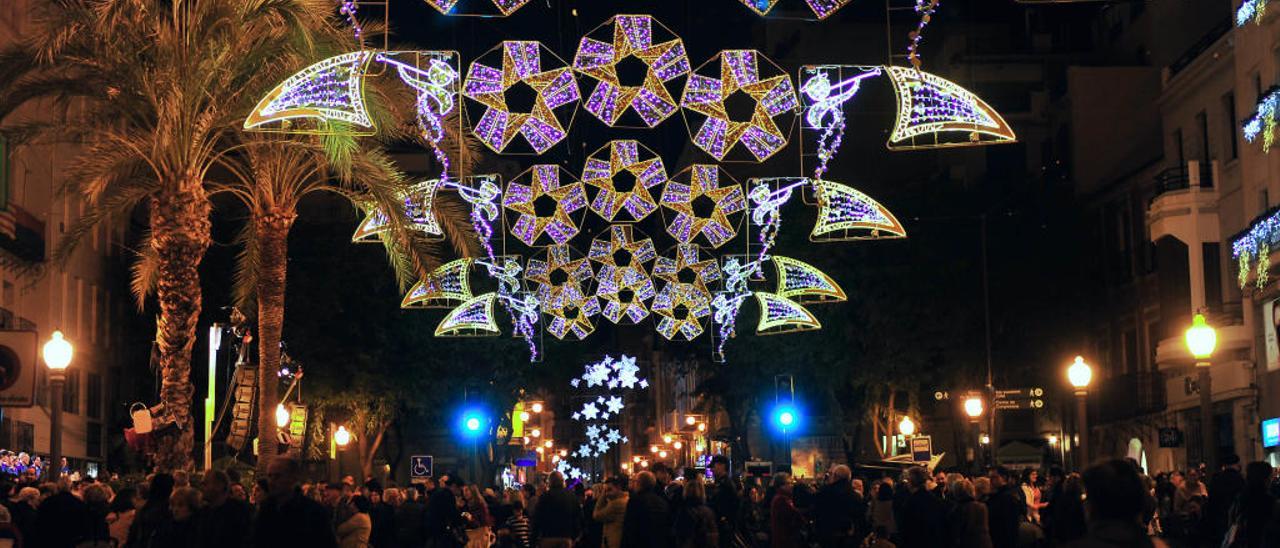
1180	191
1131	395
1172	354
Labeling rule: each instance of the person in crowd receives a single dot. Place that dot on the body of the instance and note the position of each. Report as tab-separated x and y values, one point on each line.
1005	509
1068	511
1052	490
694	522
479	524
967	519
882	518
62	519
182	531
610	510
785	521
516	527
592	530
1030	486
1114	502
97	499
725	500
837	508
355	531
383	516
285	517
1190	497
409	520
557	520
443	519
1248	517
923	511
1224	488
23	510
124	506
223	521
647	521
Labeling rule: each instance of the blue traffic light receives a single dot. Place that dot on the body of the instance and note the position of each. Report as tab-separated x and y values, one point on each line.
785	417
472	422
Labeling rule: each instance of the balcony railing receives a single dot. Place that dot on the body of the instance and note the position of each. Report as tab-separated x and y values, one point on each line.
1131	395
1179	178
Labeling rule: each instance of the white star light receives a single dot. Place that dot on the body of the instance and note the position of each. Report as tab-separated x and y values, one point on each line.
614	404
593	431
589	411
644	383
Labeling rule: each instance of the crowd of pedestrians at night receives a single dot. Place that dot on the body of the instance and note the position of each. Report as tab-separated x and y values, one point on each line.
1112	504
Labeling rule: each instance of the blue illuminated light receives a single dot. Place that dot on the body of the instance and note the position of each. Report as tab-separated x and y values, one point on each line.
1271	432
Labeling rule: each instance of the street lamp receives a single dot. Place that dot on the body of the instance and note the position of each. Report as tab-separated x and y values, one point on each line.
57	355
537	407
341	437
1079	374
282	416
1201	340
973	407
907	427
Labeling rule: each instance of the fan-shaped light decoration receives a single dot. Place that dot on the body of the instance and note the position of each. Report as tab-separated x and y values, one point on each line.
545	187
782	315
821	8
561	289
627	36
803	283
713	86
329	91
684	302
447	286
554	91
846	214
622	175
707	205
419	208
473	318
622	280
468	7
934	112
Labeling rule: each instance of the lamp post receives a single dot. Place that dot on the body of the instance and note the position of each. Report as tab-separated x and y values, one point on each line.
973	408
1079	374
1201	340
907	428
57	355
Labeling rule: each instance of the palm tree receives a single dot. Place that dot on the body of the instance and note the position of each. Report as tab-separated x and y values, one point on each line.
166	85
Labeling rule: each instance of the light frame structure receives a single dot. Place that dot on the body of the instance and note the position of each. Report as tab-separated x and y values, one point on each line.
821	9
328	93
558	299
703	105
704	180
632	36
639	162
612	278
473	318
419	210
932	106
554	107
846	214
803	283
450	8
539	181
448	286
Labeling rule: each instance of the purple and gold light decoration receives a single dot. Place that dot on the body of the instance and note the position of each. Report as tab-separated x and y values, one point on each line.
824	92
501	8
804	283
845	214
419	209
622	279
545	186
314	98
762	131
554	90
631	36
436	86
690	192
622	175
684	302
561	287
446	287
926	9
932	106
821	8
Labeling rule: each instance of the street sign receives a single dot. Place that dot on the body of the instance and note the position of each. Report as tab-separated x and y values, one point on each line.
1005	404
1170	437
420	467
941	395
1020	393
921	448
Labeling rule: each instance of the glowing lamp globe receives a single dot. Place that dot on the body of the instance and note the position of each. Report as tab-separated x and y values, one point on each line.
282	416
1201	338
662	454
678	445
907	427
548	444
57	352
702	427
973	407
786	418
985	439
537	407
473	424
1053	440
524	416
342	437
1079	374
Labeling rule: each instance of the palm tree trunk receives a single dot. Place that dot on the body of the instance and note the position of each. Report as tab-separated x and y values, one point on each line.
273	253
180	235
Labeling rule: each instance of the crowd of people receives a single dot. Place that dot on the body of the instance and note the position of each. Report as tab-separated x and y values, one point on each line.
1112	504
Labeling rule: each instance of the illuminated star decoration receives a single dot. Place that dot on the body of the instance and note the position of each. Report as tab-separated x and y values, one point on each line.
846	214
447	286
804	283
419	209
609	375
436	87
632	36
555	97
622	174
622	280
539	187
561	289
824	107
684	302
451	7
1251	10
1263	120
821	8
926	9
932	105
739	71
473	318
703	189
331	90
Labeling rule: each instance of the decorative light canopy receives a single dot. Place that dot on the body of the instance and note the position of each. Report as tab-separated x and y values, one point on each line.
467	7
622	174
821	8
1263	121
554	92
782	315
622	279
632	36
934	107
561	290
803	283
446	287
473	318
714	84
702	206
925	8
684	301
329	91
545	186
419	210
823	93
847	214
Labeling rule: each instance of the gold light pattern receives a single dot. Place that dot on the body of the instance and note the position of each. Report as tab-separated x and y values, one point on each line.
684	302
821	8
782	315
538	185
803	283
329	91
556	98
705	97
627	163
450	7
622	280
447	286
844	213
631	36
419	208
473	318
561	290
929	105
717	226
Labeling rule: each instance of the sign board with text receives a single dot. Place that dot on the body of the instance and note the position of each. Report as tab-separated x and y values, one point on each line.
921	448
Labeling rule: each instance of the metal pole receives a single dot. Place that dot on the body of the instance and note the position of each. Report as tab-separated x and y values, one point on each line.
1206	418
54	468
1082	427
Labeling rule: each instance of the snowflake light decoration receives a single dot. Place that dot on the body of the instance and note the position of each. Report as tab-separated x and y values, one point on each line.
419	208
607	376
446	287
821	8
544	187
466	7
804	283
473	318
561	289
331	90
632	36
622	279
703	206
708	92
782	315
847	214
554	91
621	175
929	105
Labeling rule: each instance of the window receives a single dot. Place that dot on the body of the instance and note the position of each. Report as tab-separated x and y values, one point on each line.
1177	148
78	305
1131	351
71	393
1202	120
1229	109
93	396
93	312
93	440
